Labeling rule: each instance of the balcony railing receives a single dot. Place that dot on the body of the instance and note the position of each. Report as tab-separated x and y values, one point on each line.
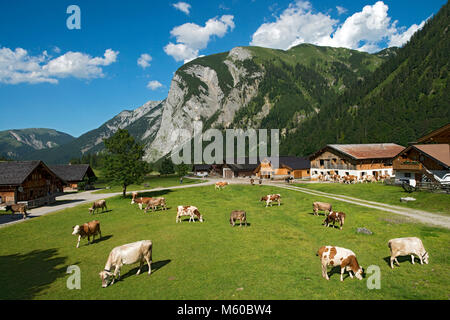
401	164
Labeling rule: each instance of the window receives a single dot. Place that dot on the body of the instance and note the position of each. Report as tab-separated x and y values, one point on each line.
407	175
322	162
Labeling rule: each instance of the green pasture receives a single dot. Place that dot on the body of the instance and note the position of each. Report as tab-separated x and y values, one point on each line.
273	258
379	192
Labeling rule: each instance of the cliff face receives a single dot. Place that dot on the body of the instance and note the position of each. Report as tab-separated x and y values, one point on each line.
197	94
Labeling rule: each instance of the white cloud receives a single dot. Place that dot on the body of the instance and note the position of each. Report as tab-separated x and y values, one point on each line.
144	60
19	67
191	38
341	10
368	30
297	24
399	39
153	85
182	6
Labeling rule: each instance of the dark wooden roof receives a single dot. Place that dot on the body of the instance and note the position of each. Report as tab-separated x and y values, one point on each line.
292	162
14	173
363	151
73	172
202	167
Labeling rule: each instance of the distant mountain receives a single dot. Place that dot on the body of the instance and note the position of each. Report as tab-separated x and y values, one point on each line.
142	123
17	143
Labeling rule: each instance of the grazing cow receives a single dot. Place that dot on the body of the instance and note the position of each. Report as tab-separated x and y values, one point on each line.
369	179
155	202
271	198
334	217
87	230
220	185
134	196
322	206
140	251
20	207
407	246
190	211
350	179
238	215
141	201
97	205
336	256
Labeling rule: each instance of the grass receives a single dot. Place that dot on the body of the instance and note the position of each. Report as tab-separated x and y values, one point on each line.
150	182
273	258
427	201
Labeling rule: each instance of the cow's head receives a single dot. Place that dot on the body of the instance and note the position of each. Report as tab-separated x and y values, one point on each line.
263	198
106	277
359	273
425	257
76	230
91	210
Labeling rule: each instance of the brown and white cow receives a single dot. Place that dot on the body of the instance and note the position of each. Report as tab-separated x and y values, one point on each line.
336	256
238	215
190	211
154	203
87	230
271	198
139	251
334	217
18	208
350	179
322	206
220	185
97	205
407	246
141	201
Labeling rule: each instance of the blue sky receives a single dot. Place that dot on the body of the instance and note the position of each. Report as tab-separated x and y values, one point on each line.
75	80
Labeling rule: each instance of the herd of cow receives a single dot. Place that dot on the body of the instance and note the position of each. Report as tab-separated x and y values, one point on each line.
346	258
352	178
141	251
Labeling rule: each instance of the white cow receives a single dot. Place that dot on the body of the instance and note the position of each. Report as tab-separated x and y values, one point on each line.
407	246
130	253
190	211
336	256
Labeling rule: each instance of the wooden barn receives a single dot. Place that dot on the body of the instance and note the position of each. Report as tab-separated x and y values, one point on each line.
288	166
75	175
30	182
428	159
354	159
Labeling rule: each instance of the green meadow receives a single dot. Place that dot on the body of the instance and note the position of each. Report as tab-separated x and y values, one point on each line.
425	200
274	257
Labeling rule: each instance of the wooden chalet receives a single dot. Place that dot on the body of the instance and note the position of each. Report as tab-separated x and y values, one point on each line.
288	166
354	159
30	182
74	175
428	159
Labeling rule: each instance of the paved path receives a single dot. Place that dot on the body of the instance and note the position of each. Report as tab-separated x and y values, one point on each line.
75	199
425	217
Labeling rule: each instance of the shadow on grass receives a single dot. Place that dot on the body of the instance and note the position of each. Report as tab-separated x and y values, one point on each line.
23	276
400	260
155	267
